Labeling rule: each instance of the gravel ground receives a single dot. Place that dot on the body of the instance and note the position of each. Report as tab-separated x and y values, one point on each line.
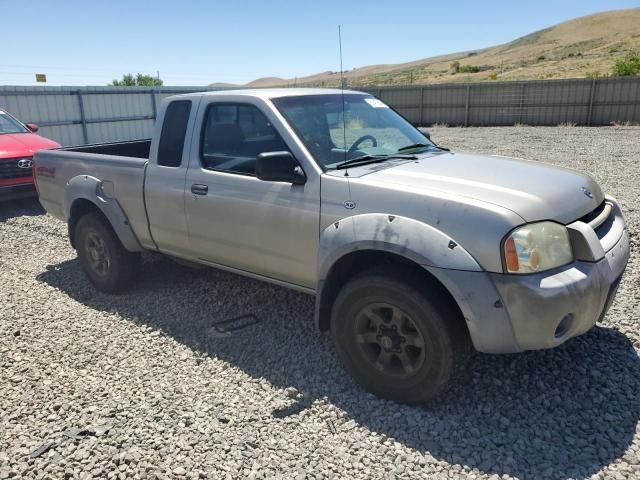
154	389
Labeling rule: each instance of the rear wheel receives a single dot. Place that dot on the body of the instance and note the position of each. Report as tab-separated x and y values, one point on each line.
399	338
104	260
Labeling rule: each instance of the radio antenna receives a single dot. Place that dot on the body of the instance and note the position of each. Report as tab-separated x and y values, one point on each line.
344	126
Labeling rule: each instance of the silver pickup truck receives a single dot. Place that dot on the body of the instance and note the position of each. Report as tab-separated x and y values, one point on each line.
414	253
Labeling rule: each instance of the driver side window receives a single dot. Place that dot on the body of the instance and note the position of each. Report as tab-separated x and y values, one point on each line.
233	135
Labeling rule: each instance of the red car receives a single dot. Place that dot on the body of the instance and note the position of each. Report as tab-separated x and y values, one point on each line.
18	143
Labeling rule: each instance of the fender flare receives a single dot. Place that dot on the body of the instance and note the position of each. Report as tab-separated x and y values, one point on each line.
414	240
97	192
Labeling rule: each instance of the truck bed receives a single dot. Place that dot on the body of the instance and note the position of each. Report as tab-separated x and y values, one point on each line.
119	166
132	148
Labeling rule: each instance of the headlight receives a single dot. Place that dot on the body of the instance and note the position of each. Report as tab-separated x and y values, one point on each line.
537	247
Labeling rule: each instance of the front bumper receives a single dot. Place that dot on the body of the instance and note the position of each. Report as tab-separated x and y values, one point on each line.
12	192
508	313
547	309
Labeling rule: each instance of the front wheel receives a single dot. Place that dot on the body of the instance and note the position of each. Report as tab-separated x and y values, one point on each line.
399	338
109	266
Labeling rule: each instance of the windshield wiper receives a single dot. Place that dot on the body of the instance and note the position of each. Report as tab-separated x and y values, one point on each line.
415	145
367	159
419	145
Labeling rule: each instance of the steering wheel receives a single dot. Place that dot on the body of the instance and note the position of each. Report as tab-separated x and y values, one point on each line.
357	143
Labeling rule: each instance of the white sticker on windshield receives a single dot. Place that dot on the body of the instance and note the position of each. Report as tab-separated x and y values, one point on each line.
375	103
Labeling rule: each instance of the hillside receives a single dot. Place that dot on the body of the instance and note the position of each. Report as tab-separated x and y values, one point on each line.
577	48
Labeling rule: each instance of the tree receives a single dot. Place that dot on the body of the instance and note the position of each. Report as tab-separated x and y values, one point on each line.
627	66
140	80
455	67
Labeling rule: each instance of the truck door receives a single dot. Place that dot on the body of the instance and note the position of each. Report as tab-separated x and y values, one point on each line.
165	177
235	219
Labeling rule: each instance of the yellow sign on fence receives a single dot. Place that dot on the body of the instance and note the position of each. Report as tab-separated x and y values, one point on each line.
41	77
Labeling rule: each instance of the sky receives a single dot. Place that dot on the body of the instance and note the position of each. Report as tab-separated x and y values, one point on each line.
201	42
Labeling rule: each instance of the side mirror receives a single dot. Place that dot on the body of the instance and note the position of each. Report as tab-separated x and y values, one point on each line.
279	167
33	127
425	132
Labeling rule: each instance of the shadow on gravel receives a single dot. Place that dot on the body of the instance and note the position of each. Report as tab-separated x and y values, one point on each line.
563	413
20	208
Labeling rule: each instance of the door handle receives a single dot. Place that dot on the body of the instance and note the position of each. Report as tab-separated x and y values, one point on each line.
198	189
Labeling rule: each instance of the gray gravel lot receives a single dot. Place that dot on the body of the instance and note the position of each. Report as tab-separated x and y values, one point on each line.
180	398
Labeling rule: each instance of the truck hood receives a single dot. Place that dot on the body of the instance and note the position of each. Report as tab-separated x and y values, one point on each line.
533	190
13	145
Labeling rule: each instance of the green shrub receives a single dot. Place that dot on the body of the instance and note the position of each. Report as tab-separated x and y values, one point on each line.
627	66
469	69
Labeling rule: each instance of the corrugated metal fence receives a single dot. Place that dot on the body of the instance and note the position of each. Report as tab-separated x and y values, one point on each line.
79	115
582	101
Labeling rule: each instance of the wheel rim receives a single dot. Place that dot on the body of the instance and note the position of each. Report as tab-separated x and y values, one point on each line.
97	254
389	340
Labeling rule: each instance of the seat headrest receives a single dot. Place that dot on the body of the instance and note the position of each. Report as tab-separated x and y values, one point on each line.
224	136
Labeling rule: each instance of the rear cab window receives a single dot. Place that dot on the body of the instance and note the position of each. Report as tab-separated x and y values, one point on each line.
172	136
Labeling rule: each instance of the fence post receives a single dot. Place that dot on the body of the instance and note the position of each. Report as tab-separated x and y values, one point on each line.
154	108
422	106
466	106
591	94
83	118
520	107
379	94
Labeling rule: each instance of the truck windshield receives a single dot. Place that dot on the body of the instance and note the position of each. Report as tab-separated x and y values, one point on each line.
8	124
367	127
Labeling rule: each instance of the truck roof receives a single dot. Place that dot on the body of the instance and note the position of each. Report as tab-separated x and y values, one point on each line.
273	92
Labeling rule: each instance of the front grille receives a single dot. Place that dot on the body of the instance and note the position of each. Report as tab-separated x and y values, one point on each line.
593	214
600	226
9	169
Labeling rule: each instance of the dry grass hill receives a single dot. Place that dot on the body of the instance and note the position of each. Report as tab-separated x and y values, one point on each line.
580	47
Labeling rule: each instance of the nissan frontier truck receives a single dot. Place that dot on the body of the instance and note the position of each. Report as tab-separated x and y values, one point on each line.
415	254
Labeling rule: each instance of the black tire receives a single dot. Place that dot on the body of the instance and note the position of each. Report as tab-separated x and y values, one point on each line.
115	268
362	324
